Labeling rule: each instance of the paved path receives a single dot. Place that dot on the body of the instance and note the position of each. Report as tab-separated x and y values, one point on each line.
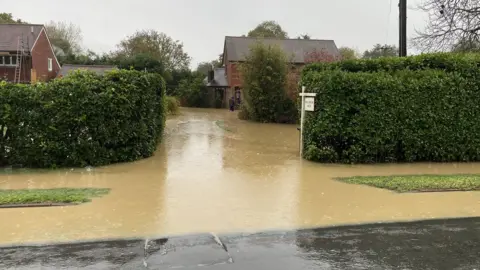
435	244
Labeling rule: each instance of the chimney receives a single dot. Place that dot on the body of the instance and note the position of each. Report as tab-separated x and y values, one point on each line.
210	75
31	29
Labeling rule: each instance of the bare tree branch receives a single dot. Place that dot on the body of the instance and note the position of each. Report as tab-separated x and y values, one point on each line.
450	23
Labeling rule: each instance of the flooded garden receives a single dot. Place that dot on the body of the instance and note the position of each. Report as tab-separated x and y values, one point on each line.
215	173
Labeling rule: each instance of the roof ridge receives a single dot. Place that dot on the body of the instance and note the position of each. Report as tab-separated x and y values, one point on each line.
274	38
23	24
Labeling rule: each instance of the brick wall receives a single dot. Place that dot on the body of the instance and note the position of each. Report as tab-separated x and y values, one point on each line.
40	55
9	72
234	79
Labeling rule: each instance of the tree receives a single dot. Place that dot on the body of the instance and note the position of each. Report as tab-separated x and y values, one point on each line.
141	62
264	74
304	36
347	53
381	51
320	56
193	91
8	18
450	22
466	46
66	38
204	67
268	29
160	46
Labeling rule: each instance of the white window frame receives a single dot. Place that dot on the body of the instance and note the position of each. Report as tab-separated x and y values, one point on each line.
50	64
2	60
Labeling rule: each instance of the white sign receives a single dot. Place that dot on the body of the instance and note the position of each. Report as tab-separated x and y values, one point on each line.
309	104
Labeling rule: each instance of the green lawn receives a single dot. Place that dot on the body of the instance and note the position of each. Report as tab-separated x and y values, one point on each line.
419	183
59	195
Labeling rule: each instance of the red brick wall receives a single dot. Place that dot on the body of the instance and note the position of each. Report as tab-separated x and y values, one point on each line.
233	75
9	72
40	54
234	79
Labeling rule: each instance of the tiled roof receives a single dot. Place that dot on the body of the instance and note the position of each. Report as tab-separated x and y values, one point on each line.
238	47
9	34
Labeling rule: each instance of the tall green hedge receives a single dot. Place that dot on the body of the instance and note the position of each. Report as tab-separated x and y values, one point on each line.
394	116
443	61
82	119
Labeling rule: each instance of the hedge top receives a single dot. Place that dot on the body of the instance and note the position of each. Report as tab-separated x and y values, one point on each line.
449	62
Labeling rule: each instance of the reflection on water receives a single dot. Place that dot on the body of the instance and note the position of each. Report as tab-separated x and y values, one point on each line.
204	178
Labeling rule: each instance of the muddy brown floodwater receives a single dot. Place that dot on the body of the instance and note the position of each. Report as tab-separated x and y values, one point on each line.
214	173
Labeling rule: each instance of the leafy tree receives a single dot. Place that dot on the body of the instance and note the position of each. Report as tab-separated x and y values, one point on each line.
467	46
204	67
264	75
320	56
141	62
8	18
450	22
381	51
87	58
268	29
193	91
65	37
304	36
158	45
347	53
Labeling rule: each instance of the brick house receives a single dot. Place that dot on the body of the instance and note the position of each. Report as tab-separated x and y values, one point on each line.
26	54
236	48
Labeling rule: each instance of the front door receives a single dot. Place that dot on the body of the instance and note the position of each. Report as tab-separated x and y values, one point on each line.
238	96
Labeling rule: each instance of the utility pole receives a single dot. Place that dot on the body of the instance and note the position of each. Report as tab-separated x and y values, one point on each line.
402	48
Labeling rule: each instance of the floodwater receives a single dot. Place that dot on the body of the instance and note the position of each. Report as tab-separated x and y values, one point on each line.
215	173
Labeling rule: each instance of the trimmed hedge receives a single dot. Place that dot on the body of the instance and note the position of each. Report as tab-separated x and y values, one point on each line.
81	120
449	62
393	116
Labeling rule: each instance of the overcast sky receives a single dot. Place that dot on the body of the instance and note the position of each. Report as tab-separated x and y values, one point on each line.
202	24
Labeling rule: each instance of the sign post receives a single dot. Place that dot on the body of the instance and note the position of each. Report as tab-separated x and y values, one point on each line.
308	104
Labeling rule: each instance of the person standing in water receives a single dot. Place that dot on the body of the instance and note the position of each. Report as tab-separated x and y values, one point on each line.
232	104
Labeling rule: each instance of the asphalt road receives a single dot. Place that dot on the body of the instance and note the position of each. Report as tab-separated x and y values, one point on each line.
434	244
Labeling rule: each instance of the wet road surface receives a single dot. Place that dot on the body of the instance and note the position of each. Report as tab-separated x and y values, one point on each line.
434	244
215	173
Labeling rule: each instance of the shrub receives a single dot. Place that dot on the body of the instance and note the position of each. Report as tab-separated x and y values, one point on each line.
403	115
444	61
172	105
82	119
194	92
264	76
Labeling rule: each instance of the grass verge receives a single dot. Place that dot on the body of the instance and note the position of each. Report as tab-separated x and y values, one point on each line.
44	196
419	183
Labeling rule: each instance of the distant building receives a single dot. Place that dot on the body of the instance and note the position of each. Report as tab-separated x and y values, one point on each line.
26	54
217	84
236	48
98	69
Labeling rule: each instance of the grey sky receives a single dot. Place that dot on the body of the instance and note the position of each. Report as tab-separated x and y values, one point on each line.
202	24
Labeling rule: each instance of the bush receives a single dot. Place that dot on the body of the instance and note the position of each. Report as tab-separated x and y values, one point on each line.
172	105
264	80
449	62
405	115
82	119
194	92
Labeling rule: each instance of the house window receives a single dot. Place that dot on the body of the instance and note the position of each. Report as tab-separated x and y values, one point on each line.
10	60
50	64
